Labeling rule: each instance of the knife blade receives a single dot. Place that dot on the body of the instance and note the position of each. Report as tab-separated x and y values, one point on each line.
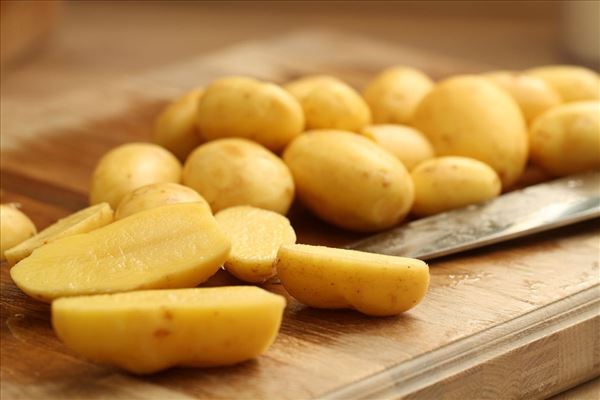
515	214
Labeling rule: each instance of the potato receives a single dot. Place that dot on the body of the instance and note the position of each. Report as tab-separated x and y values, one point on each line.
329	103
470	116
232	172
245	107
532	94
15	227
256	236
407	144
175	127
147	331
174	246
566	139
82	221
156	195
571	82
348	180
373	284
130	166
445	183
394	94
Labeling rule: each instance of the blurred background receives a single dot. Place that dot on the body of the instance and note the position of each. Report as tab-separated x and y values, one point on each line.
53	46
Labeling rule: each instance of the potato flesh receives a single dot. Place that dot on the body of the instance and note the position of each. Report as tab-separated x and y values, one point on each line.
15	227
373	284
173	246
147	331
82	221
256	236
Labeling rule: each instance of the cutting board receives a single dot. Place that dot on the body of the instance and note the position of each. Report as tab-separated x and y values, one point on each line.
513	320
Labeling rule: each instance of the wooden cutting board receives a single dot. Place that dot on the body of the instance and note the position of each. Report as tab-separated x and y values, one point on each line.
514	320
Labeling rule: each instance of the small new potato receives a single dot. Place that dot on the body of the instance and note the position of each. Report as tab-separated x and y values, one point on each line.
156	195
566	139
348	180
15	227
175	128
256	236
251	109
469	116
329	103
147	331
373	284
572	83
445	183
235	171
394	94
407	144
130	166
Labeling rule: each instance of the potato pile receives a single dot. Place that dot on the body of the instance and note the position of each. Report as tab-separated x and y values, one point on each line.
228	161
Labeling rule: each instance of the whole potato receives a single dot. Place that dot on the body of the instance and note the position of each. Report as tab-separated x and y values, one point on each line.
329	103
445	183
156	195
236	172
129	166
407	144
470	116
348	180
394	94
571	82
532	94
566	139
15	227
248	108
175	127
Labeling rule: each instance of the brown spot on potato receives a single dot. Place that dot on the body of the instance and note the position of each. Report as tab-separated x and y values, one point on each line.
161	333
232	150
167	314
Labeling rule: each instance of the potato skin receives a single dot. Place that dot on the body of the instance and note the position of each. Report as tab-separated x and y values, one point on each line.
15	227
445	183
471	117
394	94
129	166
235	171
566	139
348	180
329	103
248	108
572	83
407	144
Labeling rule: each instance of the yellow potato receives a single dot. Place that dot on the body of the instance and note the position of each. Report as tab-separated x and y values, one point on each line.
348	180
147	331
175	127
407	144
373	284
329	103
248	108
174	246
571	82
470	116
82	221
15	227
130	166
156	195
235	171
532	94
394	94
566	139
445	183
256	236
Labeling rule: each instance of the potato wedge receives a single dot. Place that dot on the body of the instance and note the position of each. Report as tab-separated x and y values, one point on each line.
256	236
373	284
15	227
147	331
82	221
174	246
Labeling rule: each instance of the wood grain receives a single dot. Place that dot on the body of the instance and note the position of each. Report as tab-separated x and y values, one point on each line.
519	319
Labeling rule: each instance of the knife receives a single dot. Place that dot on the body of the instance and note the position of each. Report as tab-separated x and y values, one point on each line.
515	214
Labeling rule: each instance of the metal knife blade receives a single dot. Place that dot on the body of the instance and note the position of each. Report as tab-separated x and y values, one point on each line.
533	209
